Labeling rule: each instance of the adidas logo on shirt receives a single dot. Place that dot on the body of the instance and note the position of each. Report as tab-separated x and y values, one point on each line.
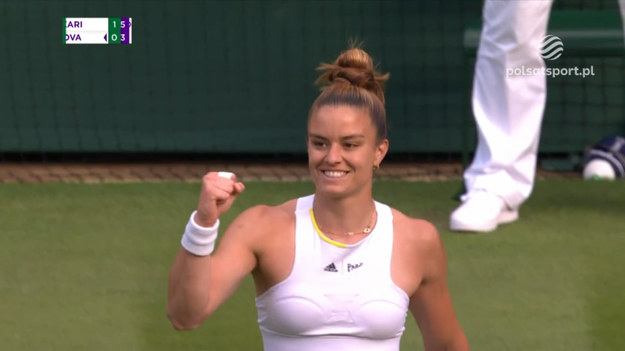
331	268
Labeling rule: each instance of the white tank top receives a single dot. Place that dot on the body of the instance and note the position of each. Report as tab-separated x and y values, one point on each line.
337	297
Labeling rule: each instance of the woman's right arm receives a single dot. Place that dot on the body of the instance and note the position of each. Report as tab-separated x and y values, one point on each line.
199	283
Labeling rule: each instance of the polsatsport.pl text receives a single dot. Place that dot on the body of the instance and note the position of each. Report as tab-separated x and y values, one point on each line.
551	71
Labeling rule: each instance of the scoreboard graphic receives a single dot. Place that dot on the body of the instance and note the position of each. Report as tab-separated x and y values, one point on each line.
97	30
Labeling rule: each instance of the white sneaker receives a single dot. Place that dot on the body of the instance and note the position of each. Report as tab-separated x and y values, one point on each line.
481	212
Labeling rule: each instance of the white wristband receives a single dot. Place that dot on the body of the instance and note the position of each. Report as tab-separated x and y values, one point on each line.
198	240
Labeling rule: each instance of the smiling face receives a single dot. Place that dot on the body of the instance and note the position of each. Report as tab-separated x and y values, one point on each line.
343	150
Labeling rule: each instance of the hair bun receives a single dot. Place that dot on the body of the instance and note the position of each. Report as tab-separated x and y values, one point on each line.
354	66
355	58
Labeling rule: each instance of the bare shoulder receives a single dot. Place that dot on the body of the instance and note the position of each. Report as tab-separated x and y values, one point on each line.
261	222
267	232
417	252
261	215
416	233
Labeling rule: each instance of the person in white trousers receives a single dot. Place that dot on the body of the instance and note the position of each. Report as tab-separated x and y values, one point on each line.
508	111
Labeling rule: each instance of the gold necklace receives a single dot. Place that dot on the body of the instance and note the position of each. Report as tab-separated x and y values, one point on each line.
367	229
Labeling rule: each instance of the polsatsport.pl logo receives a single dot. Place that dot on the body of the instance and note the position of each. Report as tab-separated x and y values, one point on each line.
551	49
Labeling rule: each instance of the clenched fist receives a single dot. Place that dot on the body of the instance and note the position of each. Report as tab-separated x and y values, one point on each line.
219	189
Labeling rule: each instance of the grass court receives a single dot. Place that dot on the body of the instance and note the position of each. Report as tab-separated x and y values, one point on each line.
85	267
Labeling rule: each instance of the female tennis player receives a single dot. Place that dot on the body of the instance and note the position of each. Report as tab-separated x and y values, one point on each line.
335	270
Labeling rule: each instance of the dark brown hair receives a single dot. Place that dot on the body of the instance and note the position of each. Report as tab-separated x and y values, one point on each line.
353	81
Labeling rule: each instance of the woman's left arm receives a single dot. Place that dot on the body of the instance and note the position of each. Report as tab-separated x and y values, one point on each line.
431	303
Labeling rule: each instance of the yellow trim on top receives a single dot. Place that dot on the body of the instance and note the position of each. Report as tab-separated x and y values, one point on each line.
323	236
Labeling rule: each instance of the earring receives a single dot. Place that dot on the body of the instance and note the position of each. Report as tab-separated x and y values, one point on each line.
375	167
